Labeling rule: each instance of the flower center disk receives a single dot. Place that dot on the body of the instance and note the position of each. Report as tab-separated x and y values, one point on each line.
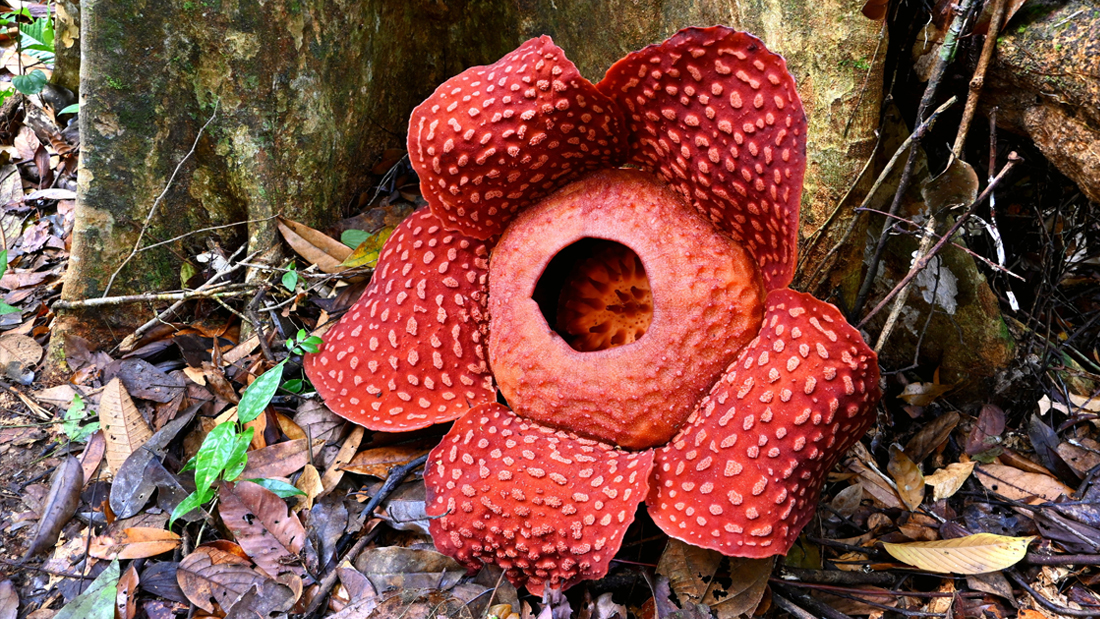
605	299
645	321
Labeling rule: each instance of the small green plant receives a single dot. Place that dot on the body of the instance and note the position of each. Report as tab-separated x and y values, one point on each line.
30	84
290	278
224	452
4	307
75	414
36	39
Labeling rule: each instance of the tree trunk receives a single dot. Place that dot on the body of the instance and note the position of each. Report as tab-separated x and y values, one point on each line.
302	96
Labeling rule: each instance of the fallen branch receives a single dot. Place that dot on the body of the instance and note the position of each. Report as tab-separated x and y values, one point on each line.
229	290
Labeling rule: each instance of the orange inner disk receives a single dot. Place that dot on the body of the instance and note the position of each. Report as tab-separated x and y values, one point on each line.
606	300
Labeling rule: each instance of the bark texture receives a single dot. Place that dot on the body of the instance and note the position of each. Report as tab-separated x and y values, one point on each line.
1046	82
309	92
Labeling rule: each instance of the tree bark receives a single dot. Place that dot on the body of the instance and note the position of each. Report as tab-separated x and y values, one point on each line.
308	93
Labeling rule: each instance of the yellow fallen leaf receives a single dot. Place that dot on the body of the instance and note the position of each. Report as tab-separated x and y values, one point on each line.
946	482
366	254
908	477
1020	485
973	554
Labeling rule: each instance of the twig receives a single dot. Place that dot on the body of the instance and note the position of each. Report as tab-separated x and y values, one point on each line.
130	340
207	229
947	52
973	254
156	203
899	303
823	610
794	609
1082	559
978	80
229	290
1013	159
396	475
914	137
1047	604
837	577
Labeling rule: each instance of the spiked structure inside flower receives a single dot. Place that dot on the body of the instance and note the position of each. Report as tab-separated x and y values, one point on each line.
637	321
606	300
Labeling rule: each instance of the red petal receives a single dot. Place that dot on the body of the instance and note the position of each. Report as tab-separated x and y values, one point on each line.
548	507
411	352
744	476
493	139
717	116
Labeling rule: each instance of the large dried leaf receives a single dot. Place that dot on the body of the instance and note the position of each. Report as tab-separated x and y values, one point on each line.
1020	485
973	554
908	477
689	569
263	526
134	484
931	436
278	460
93	454
986	434
401	568
123	426
211	573
740	593
316	247
59	506
378	461
335	471
134	543
144	380
946	482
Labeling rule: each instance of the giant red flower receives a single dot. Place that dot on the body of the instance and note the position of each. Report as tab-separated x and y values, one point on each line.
636	320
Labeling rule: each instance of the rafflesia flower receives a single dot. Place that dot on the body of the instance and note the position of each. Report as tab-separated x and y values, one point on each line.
636	320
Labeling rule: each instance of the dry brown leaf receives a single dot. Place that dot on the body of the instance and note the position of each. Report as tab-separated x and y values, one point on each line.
289	428
210	575
278	460
689	569
308	482
908	477
260	523
125	606
1019	485
335	471
59	506
747	583
946	482
123	426
931	436
315	246
847	501
378	461
1082	454
134	543
92	455
923	394
973	554
875	484
18	354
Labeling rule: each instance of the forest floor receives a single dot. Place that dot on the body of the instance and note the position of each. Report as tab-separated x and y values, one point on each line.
975	506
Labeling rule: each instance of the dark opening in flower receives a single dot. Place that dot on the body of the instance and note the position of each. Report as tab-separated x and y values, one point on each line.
637	321
596	294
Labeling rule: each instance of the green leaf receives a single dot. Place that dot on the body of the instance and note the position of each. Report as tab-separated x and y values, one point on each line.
290	278
258	395
311	344
353	238
73	416
366	253
36	40
214	455
293	385
4	307
8	309
70	109
98	602
282	489
239	458
30	84
193	501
